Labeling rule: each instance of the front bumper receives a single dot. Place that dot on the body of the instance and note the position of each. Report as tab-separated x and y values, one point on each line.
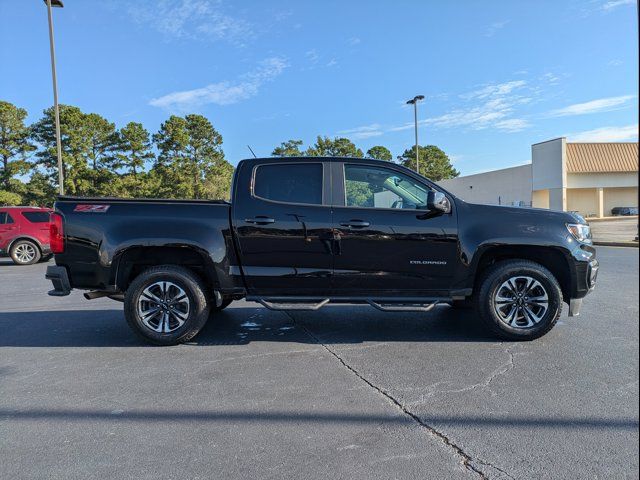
60	279
585	281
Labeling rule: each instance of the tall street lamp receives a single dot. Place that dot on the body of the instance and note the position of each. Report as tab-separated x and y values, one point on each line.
55	3
414	101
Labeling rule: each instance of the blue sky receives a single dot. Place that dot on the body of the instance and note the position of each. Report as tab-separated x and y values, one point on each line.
497	75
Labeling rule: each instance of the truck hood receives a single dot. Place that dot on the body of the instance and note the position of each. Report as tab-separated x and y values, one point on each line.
531	213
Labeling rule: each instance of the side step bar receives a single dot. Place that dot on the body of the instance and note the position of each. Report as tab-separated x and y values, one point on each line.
425	307
272	305
386	304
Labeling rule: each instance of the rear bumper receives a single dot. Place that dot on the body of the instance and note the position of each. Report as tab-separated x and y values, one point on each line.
60	279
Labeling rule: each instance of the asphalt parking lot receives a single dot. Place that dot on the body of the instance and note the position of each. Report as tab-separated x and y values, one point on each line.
345	392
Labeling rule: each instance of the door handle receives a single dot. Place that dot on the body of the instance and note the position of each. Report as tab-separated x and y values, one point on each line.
355	224
260	220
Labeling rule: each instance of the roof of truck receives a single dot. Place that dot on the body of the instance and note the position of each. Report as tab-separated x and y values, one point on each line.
317	158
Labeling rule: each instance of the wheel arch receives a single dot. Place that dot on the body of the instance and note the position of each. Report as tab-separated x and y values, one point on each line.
134	260
25	237
552	258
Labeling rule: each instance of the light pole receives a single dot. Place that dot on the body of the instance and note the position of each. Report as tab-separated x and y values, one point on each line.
56	110
414	101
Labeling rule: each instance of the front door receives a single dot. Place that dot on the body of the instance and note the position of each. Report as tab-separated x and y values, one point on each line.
389	243
283	227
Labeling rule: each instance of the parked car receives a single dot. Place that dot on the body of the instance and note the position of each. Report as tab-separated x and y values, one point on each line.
24	234
303	232
624	211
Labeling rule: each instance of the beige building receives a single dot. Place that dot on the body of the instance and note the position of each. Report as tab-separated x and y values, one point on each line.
590	178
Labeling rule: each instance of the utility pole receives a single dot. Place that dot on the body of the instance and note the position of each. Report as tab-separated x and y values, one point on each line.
414	101
56	110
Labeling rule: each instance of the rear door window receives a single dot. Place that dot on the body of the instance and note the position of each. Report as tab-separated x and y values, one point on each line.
36	217
289	183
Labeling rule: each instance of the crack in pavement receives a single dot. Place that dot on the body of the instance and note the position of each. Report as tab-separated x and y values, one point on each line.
501	370
465	459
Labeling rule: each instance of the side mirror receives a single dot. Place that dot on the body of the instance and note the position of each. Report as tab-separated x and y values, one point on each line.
438	201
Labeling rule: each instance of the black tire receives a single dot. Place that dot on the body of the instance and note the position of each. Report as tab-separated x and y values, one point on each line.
25	252
195	317
225	303
494	278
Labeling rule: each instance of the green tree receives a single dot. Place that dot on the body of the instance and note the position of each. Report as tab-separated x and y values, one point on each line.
379	152
15	145
76	148
134	148
190	152
9	198
290	148
39	191
337	147
434	163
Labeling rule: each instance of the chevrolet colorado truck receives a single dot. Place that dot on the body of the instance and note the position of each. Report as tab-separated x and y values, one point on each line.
303	232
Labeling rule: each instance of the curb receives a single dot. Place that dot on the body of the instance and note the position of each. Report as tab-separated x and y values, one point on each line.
617	244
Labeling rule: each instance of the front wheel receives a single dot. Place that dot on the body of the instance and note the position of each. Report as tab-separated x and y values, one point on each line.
519	300
166	305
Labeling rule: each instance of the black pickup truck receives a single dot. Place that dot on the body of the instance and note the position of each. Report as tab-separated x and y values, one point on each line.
303	232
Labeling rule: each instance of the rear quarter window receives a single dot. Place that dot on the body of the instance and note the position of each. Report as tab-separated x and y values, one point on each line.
36	217
5	218
289	183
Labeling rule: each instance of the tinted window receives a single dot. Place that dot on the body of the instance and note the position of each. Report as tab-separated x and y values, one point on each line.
5	218
291	183
36	217
375	187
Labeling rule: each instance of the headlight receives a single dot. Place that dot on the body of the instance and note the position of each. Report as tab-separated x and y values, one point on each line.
580	232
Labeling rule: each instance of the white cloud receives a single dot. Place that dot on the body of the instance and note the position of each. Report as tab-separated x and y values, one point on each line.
606	134
610	5
223	93
513	125
498	89
616	62
353	41
593	106
191	19
491	107
366	131
494	27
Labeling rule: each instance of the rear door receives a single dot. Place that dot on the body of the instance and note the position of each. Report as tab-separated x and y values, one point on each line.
282	223
8	229
389	243
37	225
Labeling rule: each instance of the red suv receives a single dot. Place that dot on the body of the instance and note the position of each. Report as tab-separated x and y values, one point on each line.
24	234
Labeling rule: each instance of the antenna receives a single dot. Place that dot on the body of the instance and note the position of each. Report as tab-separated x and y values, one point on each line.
254	155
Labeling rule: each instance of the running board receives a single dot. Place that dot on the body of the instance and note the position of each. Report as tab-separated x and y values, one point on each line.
399	307
271	305
385	304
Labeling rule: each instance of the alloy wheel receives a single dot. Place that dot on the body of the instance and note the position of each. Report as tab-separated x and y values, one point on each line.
521	302
25	253
163	307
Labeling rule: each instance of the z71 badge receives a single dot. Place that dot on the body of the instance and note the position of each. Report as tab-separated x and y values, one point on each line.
91	208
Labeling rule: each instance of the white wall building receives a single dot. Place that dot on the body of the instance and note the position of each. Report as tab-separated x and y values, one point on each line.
590	178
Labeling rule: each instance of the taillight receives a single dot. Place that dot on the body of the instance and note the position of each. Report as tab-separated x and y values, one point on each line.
56	232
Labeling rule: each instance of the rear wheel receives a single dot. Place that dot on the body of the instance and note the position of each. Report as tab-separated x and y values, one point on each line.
519	300
25	252
166	305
